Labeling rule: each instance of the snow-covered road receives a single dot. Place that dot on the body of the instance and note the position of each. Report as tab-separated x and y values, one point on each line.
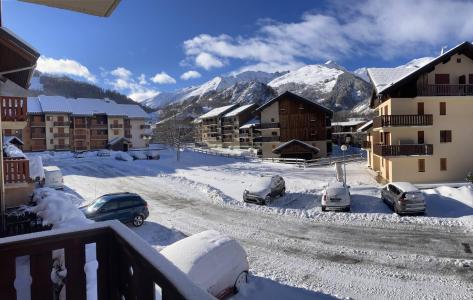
360	260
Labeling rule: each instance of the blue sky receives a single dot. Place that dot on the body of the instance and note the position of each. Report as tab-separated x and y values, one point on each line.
147	46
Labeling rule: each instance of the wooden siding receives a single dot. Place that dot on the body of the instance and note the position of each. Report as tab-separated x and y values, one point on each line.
301	121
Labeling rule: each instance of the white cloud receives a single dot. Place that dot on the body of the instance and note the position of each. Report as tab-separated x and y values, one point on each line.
64	67
385	29
208	61
190	75
142	79
121	72
163	78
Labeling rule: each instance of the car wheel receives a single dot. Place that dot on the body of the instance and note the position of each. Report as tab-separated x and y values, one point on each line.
138	220
241	279
347	209
323	208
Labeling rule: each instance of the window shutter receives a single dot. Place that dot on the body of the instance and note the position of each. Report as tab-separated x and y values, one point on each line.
443	108
443	164
421	165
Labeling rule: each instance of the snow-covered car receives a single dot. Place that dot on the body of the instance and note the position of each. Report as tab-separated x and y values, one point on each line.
138	155
404	198
80	154
153	154
53	178
265	189
103	153
336	196
213	261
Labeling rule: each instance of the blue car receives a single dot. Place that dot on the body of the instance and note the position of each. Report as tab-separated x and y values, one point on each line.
125	207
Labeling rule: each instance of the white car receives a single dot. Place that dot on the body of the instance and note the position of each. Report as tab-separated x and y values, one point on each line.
213	261
265	189
336	196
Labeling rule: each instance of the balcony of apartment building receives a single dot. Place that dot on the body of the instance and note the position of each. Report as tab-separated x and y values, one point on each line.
445	90
271	125
128	267
128	133
62	123
366	145
116	126
37	121
14	109
17	182
402	120
61	147
61	135
98	125
80	123
38	145
38	134
403	150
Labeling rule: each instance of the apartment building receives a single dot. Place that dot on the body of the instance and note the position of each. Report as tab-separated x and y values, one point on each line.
294	127
345	132
422	131
231	123
212	125
250	135
59	123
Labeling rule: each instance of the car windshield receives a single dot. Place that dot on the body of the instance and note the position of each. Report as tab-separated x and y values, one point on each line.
336	192
97	203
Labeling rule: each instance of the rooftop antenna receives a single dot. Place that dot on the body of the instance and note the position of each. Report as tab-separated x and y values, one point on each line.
442	51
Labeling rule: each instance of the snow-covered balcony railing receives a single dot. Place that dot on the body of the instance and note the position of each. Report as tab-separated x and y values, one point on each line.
446	90
403	150
13	108
268	125
128	268
16	170
402	120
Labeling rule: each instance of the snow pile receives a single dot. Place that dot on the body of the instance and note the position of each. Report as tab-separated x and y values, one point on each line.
138	155
13	151
36	167
60	209
123	156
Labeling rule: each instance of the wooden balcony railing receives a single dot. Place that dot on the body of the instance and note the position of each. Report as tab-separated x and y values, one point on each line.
38	135
61	135
80	137
446	90
403	150
366	145
37	124
62	123
98	125
16	170
80	125
116	126
80	148
61	147
128	267
268	125
402	120
13	108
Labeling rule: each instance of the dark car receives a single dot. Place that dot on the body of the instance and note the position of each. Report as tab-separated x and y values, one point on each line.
125	207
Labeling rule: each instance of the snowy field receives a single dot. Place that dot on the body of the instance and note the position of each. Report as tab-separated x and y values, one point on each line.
290	252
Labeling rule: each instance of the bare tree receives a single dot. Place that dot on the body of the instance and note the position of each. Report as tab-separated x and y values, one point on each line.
175	133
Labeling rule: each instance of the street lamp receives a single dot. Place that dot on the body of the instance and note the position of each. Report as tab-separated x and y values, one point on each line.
344	148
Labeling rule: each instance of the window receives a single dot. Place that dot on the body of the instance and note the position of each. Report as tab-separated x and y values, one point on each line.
420	108
421	165
109	206
442	78
60	118
274	133
459	60
470	78
115	132
51	141
443	108
445	136
272	120
443	164
48	118
313	132
51	129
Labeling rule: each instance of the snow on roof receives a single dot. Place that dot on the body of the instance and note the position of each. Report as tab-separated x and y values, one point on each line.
365	127
118	139
238	110
250	123
83	107
8	139
348	123
383	78
217	111
280	147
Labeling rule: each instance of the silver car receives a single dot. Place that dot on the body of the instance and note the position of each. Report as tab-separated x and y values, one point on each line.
264	190
404	198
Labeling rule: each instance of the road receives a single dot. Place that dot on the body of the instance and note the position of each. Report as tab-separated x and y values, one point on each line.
360	261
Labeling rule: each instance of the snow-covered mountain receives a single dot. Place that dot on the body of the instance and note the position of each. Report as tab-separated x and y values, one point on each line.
216	84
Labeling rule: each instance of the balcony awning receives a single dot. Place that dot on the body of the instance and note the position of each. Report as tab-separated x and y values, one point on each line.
101	8
17	58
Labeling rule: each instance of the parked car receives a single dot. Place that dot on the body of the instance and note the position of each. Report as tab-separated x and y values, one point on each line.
265	189
215	262
80	154
125	207
53	178
336	196
404	198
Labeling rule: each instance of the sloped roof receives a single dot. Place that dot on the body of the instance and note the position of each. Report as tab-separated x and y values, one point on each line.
295	96
238	110
83	107
387	79
250	123
9	139
348	123
278	149
365	126
217	111
118	139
